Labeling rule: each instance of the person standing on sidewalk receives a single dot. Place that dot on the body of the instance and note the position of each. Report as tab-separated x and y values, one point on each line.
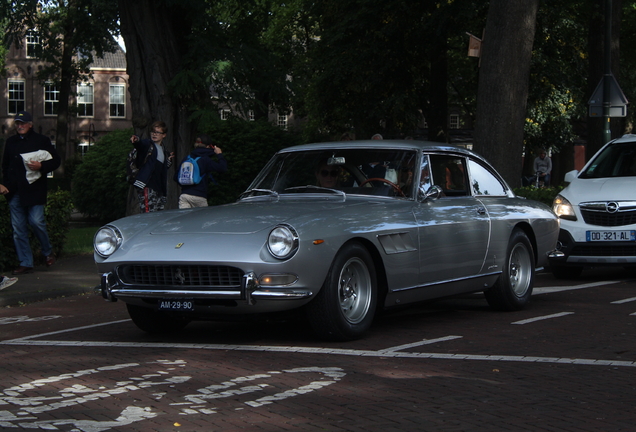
151	182
28	158
196	195
6	281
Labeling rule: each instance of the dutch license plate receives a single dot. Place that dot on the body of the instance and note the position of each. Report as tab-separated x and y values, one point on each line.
601	236
176	305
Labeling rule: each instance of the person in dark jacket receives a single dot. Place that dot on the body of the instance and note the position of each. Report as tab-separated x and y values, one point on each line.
196	195
152	179
28	158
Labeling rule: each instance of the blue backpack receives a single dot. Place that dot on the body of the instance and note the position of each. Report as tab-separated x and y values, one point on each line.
189	173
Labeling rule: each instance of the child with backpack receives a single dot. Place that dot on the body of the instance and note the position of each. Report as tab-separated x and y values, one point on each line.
195	170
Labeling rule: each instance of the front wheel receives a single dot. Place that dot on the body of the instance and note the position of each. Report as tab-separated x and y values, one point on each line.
152	321
513	289
344	307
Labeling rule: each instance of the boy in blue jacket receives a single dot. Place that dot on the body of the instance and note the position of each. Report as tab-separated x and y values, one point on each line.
196	195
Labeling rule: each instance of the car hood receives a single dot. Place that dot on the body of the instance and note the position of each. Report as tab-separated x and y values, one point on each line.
600	189
245	217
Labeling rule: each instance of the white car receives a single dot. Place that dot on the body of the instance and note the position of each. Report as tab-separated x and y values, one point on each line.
597	211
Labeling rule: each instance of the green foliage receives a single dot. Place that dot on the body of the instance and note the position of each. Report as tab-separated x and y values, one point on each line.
99	182
544	195
58	212
80	241
247	146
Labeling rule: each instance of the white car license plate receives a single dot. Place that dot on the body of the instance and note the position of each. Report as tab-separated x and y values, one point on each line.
176	305
602	236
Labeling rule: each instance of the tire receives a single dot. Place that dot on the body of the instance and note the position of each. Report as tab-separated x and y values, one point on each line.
152	321
345	305
566	272
513	289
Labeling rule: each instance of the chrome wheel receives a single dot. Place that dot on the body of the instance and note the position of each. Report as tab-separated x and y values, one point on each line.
355	290
513	289
520	269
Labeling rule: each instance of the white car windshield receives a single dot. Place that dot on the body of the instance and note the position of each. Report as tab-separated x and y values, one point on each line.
616	160
353	171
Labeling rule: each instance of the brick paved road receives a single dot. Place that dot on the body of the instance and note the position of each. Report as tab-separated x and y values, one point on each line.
567	363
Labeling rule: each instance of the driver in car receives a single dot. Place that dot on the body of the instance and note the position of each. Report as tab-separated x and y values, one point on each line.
328	176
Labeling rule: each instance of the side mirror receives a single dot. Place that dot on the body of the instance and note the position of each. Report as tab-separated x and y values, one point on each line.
433	192
569	177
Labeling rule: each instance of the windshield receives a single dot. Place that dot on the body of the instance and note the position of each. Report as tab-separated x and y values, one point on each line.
354	171
616	160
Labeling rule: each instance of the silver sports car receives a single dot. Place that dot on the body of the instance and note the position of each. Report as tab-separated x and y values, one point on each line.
340	230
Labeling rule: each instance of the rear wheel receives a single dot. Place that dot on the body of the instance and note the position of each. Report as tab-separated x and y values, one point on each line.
513	289
152	321
344	307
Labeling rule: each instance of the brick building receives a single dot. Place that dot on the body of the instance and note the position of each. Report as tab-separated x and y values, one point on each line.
103	103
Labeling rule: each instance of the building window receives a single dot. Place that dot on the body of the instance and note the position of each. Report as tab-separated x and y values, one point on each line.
83	147
250	115
117	95
282	121
16	96
85	100
51	98
225	114
454	121
32	44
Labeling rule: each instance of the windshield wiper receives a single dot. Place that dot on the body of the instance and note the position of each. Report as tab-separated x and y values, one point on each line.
318	188
263	191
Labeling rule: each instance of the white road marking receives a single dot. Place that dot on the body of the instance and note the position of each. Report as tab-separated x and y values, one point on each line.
624	301
548	290
544	317
25	318
326	351
36	397
423	342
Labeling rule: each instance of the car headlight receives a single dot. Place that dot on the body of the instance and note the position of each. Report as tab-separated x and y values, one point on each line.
282	242
563	208
107	240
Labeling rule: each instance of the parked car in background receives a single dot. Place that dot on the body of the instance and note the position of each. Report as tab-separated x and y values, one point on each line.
338	231
598	212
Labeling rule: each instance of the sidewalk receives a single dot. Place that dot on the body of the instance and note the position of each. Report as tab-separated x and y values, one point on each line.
68	276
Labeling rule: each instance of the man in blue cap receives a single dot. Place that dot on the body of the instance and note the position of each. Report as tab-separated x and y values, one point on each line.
28	158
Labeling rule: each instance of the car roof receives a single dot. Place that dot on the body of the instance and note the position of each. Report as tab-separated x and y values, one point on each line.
429	146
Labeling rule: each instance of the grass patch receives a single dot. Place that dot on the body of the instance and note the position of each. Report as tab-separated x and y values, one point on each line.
80	241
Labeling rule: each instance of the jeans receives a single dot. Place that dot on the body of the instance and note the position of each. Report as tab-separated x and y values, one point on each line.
21	218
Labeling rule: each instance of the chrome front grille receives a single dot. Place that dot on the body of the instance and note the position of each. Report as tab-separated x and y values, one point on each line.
609	214
608	219
181	275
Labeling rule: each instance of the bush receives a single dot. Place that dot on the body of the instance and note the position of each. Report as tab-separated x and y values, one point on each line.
58	212
99	182
544	195
247	146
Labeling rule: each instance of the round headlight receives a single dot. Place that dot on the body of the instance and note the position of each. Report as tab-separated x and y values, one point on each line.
107	240
282	242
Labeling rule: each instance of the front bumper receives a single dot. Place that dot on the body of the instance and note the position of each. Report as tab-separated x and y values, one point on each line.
572	252
246	291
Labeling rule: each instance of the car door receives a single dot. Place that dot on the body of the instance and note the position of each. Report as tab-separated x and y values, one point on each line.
454	229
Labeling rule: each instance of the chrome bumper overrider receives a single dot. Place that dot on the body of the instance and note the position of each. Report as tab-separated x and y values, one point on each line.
250	291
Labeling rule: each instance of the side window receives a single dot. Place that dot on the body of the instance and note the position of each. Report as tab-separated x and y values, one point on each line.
484	182
449	173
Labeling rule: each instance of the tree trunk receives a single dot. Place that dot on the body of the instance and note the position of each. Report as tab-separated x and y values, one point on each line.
63	147
437	116
153	56
503	85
